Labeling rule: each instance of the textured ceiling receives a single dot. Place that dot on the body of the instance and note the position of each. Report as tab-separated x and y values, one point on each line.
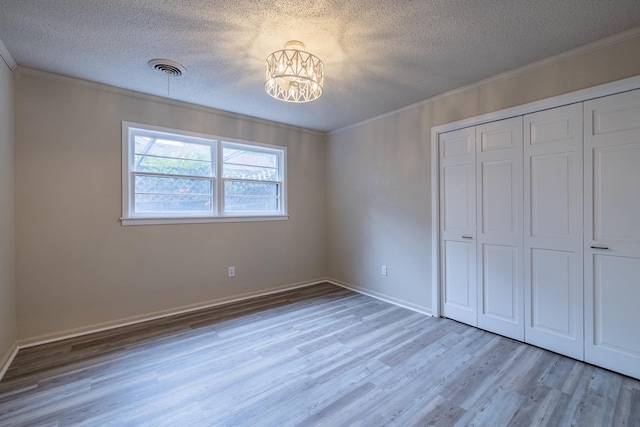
379	55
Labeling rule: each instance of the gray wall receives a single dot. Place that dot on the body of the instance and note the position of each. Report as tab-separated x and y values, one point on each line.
78	268
378	173
356	202
7	241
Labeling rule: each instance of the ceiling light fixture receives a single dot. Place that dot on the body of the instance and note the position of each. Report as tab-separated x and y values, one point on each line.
294	75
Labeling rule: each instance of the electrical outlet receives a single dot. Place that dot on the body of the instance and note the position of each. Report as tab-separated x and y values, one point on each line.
383	270
232	271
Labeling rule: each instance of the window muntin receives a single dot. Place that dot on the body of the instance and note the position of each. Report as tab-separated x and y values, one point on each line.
174	174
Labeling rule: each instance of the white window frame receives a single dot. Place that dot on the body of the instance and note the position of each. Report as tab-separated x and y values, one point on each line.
224	143
129	217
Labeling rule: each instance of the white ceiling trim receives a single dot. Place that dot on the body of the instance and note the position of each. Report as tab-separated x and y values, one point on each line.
599	44
6	57
45	75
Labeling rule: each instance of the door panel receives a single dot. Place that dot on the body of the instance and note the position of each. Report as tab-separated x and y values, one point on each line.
499	271
495	136
616	299
499	219
456	144
459	211
617	119
547	128
552	294
553	240
458	225
612	232
497	197
550	183
459	290
616	177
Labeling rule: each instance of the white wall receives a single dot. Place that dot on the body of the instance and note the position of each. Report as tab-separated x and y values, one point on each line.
7	241
378	173
77	267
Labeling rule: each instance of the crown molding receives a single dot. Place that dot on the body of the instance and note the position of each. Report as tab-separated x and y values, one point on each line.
46	75
7	58
554	59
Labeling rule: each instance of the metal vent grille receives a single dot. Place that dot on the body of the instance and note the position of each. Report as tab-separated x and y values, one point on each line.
167	67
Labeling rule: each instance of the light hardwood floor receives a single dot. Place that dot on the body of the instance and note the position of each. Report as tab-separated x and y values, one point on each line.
321	355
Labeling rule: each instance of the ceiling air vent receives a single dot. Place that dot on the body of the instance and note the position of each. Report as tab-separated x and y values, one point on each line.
167	67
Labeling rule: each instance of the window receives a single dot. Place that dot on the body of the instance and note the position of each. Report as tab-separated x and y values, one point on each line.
174	176
252	179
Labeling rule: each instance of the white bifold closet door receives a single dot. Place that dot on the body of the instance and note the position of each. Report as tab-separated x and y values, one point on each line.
553	236
458	225
481	226
612	232
499	215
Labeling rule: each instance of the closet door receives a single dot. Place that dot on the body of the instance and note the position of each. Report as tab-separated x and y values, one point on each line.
553	240
457	226
499	225
612	238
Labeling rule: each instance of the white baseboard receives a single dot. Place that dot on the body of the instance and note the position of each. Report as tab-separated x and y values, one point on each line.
73	333
6	360
386	298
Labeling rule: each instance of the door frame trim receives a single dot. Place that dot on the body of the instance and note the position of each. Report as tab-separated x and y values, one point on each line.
582	95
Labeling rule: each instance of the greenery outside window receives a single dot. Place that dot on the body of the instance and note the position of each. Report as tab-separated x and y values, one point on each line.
174	176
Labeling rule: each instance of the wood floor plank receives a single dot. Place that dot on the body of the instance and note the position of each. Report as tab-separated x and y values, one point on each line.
633	419
315	356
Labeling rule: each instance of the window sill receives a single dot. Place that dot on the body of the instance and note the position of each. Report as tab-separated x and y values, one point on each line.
201	220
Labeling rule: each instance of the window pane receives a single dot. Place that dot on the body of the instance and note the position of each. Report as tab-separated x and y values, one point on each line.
166	166
171	148
162	185
251	204
155	203
248	188
249	172
247	164
249	157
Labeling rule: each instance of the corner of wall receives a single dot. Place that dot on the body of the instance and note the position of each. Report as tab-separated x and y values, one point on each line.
7	359
382	297
7	58
326	142
8	320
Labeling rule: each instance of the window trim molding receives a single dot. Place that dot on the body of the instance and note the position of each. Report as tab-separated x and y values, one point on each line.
197	218
201	220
